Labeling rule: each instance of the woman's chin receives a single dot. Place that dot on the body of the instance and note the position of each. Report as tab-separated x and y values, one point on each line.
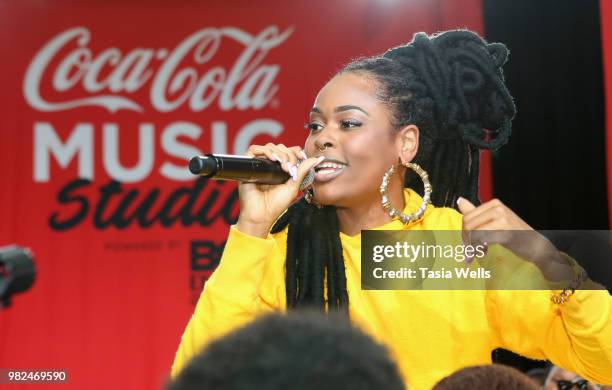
328	195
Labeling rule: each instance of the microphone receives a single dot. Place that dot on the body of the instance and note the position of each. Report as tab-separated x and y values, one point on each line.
243	169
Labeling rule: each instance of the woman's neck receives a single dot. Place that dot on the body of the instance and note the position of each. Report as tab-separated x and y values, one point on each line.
370	214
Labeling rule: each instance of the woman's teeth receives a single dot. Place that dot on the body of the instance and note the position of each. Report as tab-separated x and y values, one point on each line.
327	171
328	166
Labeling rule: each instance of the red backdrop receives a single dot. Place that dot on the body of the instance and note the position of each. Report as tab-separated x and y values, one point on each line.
103	101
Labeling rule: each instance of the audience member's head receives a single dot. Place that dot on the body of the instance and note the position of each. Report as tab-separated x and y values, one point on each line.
561	379
538	375
294	351
489	377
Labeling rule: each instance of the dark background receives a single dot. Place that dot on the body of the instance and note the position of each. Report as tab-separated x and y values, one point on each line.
552	172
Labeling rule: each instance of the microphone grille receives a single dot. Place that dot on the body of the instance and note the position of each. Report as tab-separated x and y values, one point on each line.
308	180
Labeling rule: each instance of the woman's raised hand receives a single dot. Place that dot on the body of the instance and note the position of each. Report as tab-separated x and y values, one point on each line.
495	223
262	204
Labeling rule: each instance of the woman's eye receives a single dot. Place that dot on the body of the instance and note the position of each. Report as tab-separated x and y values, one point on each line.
311	126
346	124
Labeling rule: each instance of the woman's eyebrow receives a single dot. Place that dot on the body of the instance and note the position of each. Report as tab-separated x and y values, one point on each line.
338	109
349	107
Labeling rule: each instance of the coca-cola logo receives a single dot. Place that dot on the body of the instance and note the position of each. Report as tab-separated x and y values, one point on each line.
247	84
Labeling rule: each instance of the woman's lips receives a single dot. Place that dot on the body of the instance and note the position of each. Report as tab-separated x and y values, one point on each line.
327	171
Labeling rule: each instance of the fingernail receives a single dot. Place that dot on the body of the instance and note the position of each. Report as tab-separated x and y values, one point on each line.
321	158
294	172
459	200
276	157
303	154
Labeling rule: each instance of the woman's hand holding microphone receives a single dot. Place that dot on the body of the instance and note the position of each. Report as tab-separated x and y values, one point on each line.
261	204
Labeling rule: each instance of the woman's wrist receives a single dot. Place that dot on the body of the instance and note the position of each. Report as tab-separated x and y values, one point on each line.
260	230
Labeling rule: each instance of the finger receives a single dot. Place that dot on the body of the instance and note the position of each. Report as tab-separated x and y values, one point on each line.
490	233
480	241
299	153
291	155
251	151
465	206
491	236
282	155
481	219
483	225
477	241
271	153
287	154
306	166
292	160
482	209
261	151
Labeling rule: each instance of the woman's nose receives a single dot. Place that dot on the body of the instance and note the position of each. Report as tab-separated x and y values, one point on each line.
325	140
323	145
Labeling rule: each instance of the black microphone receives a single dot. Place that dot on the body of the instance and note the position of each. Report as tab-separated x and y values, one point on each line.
243	169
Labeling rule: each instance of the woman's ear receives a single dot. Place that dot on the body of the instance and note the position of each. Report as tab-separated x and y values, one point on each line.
407	143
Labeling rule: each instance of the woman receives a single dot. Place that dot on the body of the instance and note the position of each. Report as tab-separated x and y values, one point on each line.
427	102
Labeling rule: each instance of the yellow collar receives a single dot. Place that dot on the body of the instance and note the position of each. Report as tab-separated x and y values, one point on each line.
412	201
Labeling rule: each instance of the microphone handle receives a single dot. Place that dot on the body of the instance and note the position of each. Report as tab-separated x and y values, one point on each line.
239	168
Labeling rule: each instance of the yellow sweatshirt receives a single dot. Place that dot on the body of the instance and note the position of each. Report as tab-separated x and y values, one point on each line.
431	334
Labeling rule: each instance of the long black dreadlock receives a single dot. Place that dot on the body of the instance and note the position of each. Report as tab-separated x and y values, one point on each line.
451	86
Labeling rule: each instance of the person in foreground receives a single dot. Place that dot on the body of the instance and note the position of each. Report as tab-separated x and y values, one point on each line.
487	377
560	379
427	107
295	351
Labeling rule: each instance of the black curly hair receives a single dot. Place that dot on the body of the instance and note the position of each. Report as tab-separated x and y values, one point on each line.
451	86
304	350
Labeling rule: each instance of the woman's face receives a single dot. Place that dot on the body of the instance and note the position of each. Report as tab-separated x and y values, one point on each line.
559	374
352	129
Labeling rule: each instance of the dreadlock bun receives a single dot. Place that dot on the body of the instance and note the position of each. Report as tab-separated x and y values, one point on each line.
464	86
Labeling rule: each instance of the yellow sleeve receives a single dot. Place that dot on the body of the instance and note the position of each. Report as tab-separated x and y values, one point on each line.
231	296
576	335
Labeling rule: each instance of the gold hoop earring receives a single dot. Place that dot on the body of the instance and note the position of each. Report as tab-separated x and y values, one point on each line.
386	203
309	198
